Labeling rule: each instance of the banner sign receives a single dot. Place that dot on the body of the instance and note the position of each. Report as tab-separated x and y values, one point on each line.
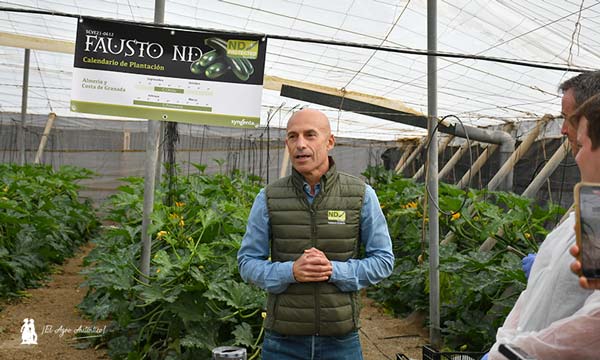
159	73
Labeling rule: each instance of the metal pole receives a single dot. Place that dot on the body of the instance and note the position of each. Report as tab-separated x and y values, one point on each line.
150	167
159	158
21	131
432	179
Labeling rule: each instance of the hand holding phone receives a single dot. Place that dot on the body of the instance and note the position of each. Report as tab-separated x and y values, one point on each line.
587	228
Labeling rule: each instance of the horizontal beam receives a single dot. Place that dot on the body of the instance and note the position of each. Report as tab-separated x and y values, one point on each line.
339	99
36	43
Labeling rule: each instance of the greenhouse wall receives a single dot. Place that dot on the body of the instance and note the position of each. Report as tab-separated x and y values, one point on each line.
117	149
558	189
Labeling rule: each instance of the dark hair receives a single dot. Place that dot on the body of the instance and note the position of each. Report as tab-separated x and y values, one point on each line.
590	109
584	85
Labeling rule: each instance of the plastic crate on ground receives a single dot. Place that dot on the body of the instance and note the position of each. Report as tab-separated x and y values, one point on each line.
429	353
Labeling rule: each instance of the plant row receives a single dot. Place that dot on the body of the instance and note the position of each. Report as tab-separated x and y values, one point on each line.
194	299
42	222
477	288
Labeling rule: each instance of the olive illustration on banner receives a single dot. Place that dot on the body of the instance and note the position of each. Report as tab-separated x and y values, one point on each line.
216	62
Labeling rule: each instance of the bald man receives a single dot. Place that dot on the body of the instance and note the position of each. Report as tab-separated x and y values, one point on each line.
302	245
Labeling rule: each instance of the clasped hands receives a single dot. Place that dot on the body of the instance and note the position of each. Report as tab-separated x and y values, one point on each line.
312	266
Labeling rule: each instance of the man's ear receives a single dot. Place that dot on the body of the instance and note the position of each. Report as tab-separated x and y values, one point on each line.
330	142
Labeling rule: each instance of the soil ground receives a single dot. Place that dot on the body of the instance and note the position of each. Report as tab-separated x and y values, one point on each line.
53	307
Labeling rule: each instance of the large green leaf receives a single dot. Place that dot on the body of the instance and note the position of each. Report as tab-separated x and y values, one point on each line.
243	335
238	295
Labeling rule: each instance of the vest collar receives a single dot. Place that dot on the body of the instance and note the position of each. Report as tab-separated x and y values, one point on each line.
326	181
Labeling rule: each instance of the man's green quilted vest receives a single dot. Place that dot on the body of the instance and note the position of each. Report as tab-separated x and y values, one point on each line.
332	225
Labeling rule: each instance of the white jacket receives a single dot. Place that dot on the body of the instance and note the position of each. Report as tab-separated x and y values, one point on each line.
554	318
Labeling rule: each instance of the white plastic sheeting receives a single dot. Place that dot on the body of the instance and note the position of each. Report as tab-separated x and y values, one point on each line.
552	32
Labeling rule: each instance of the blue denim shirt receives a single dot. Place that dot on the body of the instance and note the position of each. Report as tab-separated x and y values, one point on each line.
352	275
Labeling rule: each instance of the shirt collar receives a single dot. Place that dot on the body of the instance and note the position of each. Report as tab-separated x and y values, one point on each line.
306	188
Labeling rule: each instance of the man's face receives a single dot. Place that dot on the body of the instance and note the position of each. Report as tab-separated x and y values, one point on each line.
309	140
568	107
588	160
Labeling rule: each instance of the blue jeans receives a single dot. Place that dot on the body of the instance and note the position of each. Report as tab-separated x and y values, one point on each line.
287	347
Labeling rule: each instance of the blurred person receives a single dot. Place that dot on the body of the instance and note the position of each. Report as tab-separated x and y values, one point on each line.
575	91
587	121
302	245
554	318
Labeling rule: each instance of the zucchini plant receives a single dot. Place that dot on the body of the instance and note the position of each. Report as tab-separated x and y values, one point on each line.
194	299
42	221
477	290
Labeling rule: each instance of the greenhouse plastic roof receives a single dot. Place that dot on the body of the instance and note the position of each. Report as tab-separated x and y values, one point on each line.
561	33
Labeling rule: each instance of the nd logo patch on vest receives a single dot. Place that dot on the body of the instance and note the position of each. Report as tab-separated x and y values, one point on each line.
336	217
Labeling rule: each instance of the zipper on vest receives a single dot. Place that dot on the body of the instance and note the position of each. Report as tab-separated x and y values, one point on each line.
313	238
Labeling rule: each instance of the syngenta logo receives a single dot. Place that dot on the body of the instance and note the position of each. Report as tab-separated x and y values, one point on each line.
28	334
242	122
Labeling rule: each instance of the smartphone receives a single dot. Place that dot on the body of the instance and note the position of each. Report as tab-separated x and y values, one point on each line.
513	352
587	227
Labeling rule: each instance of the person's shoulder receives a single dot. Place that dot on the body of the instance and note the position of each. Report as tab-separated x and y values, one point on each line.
278	188
350	179
281	182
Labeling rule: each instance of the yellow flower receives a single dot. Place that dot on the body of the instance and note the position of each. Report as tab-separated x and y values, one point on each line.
157	271
161	233
527	236
179	203
263	314
412	204
174	216
455	216
181	223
